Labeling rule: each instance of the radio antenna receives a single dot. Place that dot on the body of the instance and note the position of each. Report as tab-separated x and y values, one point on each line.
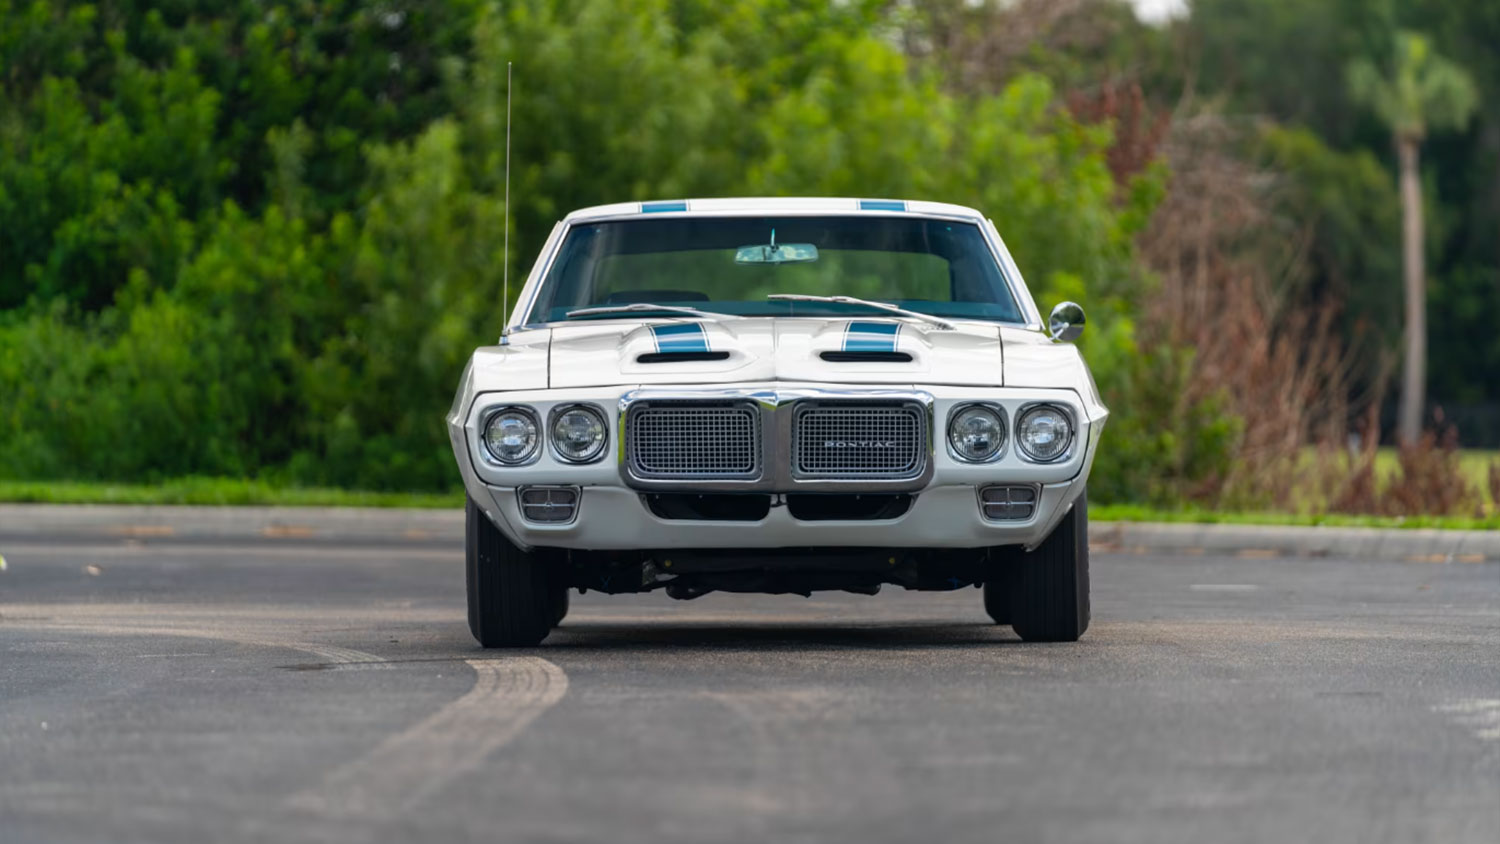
505	271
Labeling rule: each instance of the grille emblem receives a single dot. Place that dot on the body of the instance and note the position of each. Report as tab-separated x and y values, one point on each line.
860	444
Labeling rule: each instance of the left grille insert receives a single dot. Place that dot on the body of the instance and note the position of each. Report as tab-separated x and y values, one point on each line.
671	440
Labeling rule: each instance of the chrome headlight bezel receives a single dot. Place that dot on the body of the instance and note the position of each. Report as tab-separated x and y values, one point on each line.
1002	429
600	447
533	451
1068	417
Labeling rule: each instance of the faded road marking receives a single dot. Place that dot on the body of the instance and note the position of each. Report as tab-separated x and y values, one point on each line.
330	653
288	531
327	653
143	530
404	769
1480	715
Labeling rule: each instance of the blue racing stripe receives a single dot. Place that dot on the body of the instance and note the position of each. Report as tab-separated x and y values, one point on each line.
871	336
680	337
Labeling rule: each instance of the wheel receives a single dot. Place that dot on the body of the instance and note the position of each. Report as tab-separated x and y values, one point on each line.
999	584
1049	599
559	604
512	594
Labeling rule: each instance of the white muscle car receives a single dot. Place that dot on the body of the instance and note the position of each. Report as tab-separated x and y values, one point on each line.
777	395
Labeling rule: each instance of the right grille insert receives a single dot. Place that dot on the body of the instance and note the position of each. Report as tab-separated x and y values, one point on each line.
839	440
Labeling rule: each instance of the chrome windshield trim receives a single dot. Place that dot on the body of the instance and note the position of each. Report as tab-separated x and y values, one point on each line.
1030	316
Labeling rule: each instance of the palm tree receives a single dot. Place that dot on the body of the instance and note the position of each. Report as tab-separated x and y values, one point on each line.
1423	91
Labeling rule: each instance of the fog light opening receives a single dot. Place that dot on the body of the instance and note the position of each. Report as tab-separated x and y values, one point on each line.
548	504
1008	503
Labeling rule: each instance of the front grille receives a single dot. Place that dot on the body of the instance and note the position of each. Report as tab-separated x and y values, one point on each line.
694	440
859	440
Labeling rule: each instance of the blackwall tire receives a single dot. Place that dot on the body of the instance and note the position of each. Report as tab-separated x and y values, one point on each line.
559	604
998	586
1050	588
512	594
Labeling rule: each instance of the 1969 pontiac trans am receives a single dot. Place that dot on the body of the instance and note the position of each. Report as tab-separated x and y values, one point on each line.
782	396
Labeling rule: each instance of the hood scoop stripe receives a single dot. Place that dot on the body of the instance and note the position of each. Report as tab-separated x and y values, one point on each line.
866	357
871	336
679	337
680	357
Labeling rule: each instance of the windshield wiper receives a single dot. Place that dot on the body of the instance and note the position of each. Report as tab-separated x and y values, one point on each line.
646	307
850	300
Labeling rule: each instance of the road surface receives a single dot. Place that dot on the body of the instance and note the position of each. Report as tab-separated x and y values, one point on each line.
276	691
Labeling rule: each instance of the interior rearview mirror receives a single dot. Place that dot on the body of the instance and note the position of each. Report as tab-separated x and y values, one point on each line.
776	253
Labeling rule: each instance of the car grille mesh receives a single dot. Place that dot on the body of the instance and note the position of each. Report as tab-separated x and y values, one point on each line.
678	441
863	441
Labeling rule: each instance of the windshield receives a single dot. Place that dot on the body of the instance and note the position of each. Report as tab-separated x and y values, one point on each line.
730	265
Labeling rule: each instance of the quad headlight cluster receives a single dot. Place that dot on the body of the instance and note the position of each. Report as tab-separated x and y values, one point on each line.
977	433
512	436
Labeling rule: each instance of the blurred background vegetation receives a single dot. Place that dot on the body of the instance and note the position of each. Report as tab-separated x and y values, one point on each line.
257	239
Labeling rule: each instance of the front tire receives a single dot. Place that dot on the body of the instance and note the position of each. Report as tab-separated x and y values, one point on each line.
998	584
1050	586
512	594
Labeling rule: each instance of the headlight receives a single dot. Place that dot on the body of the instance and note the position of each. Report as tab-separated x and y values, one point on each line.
1044	433
578	434
510	435
977	432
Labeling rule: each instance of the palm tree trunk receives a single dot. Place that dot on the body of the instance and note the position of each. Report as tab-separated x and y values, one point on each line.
1414	369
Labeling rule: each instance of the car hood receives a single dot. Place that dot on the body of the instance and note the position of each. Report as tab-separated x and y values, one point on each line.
847	351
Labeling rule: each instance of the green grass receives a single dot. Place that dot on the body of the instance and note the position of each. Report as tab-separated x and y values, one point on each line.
1134	513
216	492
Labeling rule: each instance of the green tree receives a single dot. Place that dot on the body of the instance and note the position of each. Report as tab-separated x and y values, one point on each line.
1418	92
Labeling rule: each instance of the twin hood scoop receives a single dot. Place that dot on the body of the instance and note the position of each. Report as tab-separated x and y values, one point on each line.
848	351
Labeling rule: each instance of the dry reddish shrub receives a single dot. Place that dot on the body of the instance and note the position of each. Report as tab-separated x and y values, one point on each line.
1138	129
1430	480
1229	271
1495	487
1345	478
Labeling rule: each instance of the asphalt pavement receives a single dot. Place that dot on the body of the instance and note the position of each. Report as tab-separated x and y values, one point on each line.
236	690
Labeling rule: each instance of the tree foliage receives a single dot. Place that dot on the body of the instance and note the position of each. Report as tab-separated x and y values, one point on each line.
262	238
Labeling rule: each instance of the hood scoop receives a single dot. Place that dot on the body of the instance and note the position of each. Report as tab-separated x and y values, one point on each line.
680	357
865	357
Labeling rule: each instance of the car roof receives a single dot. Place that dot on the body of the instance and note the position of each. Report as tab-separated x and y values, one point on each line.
788	205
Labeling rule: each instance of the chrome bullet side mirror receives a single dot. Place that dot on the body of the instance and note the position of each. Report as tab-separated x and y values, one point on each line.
1066	322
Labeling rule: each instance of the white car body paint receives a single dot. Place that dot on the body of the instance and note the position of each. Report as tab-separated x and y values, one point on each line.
548	365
